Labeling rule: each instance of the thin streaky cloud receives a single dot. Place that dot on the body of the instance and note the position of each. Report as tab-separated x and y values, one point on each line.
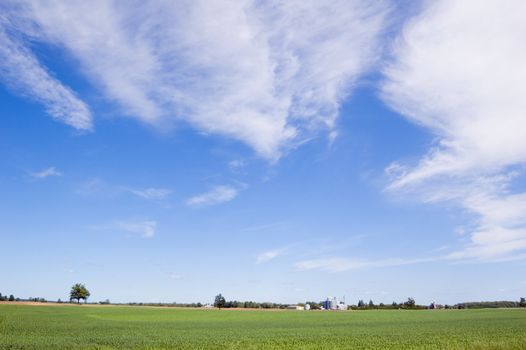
339	264
236	164
145	228
217	195
264	227
21	71
150	193
42	174
269	255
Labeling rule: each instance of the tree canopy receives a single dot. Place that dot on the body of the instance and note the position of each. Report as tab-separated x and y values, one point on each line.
219	301
79	291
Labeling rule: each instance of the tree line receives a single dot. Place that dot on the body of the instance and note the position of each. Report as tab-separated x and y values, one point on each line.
11	297
79	292
491	304
220	302
411	304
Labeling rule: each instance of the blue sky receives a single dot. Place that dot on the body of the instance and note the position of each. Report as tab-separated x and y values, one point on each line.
268	151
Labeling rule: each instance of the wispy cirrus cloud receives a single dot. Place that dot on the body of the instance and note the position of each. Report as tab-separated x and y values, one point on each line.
339	264
236	164
269	255
217	195
42	174
99	187
22	72
269	74
150	193
458	70
142	228
145	228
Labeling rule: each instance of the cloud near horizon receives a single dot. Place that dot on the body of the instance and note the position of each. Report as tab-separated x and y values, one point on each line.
339	264
268	74
458	70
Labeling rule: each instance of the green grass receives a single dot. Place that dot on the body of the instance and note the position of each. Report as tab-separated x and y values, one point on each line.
81	327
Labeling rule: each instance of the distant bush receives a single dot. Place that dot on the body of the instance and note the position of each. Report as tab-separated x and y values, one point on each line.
487	304
37	300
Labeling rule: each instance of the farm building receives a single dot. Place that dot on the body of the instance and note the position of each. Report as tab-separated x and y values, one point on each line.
333	304
295	307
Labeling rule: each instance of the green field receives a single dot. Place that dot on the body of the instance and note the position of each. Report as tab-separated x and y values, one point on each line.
88	327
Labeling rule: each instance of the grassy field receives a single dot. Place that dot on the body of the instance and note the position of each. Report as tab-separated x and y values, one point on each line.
91	327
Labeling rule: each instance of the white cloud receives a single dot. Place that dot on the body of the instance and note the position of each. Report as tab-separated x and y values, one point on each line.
458	70
328	264
144	228
236	164
217	195
176	276
151	192
51	171
269	255
266	73
21	71
338	264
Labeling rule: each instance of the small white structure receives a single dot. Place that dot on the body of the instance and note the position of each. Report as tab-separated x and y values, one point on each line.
307	306
341	306
295	307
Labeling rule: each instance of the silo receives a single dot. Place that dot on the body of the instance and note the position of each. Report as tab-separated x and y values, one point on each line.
334	304
327	304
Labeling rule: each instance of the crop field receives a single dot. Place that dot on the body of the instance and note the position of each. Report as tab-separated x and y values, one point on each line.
115	327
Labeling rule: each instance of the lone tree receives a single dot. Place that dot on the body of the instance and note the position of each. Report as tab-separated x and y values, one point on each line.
410	303
522	303
79	291
219	301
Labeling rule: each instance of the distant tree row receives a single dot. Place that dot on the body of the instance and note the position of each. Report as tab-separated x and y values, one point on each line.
408	304
174	304
411	304
11	297
220	302
488	304
37	300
